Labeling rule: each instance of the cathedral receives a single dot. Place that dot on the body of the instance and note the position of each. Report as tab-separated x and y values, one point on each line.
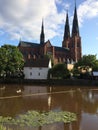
69	52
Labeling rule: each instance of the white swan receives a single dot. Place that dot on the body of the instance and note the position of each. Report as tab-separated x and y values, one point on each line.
18	91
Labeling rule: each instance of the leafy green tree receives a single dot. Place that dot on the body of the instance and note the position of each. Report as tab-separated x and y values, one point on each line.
85	66
88	60
11	60
59	71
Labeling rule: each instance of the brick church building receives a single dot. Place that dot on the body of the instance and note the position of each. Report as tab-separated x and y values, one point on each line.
70	51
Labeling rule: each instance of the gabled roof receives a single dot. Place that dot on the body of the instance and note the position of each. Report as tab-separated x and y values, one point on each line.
61	49
41	62
45	43
28	44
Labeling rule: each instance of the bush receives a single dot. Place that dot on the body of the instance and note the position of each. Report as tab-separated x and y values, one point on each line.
59	71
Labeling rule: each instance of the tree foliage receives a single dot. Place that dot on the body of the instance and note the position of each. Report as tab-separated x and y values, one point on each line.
59	71
11	60
88	60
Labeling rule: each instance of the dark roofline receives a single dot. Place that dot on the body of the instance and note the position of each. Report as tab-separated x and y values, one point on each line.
27	44
61	49
44	62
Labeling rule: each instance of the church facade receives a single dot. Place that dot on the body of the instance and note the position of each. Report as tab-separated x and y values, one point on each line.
70	51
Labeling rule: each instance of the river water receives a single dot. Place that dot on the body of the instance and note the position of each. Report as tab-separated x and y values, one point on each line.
83	101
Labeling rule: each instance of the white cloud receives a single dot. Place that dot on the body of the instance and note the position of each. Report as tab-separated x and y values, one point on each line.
22	18
87	10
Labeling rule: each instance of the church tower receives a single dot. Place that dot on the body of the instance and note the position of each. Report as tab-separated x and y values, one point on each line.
42	35
75	45
66	38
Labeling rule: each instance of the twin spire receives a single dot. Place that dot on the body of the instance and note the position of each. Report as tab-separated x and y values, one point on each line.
75	28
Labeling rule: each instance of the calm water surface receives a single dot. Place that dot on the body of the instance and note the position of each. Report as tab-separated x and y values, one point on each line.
83	101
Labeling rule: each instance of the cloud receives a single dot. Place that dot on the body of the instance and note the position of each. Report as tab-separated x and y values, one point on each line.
23	18
87	10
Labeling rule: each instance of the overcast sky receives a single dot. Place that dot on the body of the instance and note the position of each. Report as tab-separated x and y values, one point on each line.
22	19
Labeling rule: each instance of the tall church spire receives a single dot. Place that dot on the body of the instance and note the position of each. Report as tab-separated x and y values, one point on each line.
75	28
67	29
66	38
42	36
75	47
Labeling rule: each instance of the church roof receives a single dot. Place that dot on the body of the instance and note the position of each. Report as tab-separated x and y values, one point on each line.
41	62
62	49
28	44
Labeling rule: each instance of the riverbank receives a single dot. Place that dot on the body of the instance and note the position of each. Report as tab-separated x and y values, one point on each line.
60	82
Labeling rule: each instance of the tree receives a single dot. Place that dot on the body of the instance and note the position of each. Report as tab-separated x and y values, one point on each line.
84	67
59	71
88	60
11	60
